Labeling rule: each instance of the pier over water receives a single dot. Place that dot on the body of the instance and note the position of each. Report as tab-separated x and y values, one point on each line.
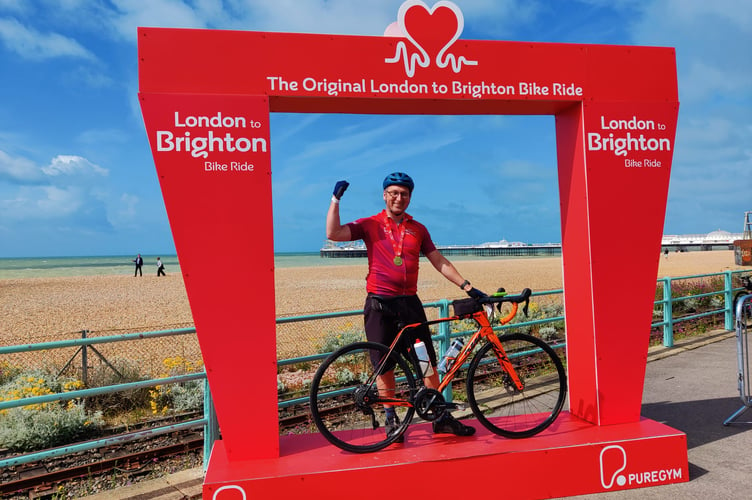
715	240
479	251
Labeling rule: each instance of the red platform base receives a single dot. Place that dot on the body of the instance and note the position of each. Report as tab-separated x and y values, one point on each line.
573	457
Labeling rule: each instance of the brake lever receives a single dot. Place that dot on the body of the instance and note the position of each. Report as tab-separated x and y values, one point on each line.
500	291
527	292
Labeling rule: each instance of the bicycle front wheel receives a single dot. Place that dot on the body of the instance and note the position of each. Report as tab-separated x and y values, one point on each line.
495	400
346	404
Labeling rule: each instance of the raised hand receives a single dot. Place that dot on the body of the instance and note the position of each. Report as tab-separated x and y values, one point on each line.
340	188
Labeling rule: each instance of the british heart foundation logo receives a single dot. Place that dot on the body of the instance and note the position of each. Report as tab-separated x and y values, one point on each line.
431	33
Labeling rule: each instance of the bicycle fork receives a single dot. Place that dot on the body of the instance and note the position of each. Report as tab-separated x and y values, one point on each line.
505	363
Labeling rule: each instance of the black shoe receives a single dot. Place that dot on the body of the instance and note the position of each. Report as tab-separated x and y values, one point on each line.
447	424
392	425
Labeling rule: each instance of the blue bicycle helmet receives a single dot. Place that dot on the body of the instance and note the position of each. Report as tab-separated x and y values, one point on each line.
399	179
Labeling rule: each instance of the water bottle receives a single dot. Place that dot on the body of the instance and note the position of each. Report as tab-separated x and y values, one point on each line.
450	355
423	360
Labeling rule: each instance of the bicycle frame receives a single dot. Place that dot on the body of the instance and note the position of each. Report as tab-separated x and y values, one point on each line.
485	331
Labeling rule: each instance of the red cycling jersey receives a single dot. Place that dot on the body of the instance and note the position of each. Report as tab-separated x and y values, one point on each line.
385	277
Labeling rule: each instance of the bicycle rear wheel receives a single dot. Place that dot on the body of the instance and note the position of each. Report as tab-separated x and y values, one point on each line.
346	405
495	400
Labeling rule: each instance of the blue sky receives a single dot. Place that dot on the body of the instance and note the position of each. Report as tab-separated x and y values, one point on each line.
77	176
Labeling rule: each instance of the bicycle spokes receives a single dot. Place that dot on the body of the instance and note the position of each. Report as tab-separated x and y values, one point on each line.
348	401
521	395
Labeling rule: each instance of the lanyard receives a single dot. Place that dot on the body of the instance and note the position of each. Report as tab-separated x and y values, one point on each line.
397	247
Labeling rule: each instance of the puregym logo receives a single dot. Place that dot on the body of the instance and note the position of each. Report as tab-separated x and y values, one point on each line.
613	464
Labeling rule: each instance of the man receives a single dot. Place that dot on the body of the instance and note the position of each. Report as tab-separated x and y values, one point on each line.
394	241
139	262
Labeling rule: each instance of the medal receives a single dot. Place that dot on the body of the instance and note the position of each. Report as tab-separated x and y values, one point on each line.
396	245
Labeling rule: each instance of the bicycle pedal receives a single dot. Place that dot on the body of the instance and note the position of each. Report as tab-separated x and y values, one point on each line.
455	406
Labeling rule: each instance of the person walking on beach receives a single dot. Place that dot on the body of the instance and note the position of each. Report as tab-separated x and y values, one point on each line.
139	262
394	242
160	267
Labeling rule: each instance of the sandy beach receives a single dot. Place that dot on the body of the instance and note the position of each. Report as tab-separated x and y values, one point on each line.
45	309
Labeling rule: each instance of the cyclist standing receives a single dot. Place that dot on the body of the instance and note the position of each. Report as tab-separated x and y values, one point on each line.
394	242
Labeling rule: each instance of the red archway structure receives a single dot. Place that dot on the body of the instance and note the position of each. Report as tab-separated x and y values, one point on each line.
206	98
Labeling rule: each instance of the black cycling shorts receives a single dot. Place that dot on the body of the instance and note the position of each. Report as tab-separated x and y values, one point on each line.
385	316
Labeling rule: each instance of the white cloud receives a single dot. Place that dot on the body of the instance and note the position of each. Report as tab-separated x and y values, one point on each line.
345	17
17	169
131	14
32	44
17	6
70	165
58	202
712	41
42	202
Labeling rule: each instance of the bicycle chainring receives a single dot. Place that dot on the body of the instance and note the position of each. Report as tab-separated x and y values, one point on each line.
429	404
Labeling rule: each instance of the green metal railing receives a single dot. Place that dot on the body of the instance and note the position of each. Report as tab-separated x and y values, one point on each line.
668	301
209	423
446	332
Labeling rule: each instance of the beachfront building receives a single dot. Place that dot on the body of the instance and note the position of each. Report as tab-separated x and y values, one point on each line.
715	240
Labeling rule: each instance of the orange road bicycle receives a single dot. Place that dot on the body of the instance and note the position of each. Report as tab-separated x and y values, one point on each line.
515	383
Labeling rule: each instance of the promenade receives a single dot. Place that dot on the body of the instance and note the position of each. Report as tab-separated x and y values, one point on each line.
691	387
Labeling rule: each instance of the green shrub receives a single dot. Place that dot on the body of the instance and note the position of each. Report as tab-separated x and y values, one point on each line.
538	311
548	333
8	372
184	396
45	425
119	371
334	340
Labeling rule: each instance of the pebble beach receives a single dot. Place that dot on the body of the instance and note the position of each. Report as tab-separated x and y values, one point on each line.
44	309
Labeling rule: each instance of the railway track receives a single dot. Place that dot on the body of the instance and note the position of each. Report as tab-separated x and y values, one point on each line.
136	458
41	479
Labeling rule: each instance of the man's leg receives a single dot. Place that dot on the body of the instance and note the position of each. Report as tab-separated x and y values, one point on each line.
445	424
386	384
387	387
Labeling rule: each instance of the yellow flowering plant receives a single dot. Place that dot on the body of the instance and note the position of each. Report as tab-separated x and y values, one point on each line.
185	396
43	425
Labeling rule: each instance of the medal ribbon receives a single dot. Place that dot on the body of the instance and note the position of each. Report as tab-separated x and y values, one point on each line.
388	229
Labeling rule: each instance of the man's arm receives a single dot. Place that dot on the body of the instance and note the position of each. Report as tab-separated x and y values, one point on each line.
335	231
448	270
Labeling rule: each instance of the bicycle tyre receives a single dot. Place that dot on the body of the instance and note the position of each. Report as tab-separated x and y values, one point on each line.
501	407
334	398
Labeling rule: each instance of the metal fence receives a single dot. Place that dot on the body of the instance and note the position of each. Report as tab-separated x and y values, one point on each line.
303	341
744	377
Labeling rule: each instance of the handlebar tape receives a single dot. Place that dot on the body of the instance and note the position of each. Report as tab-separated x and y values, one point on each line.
494	299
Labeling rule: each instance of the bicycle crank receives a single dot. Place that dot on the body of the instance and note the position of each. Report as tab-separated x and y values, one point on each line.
430	404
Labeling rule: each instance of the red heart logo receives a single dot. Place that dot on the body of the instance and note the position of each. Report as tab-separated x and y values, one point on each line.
431	30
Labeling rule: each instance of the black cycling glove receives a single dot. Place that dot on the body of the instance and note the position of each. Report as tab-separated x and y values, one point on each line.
476	294
340	188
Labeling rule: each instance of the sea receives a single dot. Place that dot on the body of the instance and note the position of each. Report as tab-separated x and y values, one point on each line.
46	267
